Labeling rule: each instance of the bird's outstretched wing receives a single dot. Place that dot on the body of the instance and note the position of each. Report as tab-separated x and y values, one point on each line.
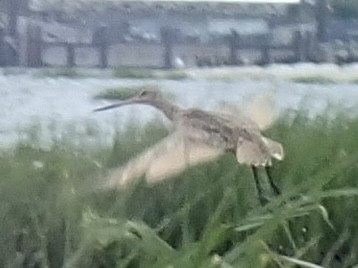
259	112
163	160
261	109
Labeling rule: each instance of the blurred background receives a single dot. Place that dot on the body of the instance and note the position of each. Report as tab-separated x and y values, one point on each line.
60	59
167	34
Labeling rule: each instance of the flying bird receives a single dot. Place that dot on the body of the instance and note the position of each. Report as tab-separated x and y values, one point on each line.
198	136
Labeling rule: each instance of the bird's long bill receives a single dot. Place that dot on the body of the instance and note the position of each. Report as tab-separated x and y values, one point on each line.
112	106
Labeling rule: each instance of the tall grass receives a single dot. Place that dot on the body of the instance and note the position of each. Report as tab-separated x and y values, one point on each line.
209	216
140	73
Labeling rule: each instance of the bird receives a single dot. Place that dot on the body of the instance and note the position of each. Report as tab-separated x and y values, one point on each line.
199	136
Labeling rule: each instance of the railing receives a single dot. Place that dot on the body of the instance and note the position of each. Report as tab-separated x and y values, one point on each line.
231	49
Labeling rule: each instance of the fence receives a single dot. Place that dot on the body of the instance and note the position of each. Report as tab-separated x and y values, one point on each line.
228	50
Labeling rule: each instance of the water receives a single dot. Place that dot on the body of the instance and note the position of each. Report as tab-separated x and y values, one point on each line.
54	104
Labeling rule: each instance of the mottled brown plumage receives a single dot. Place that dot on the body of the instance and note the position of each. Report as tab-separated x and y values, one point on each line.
199	136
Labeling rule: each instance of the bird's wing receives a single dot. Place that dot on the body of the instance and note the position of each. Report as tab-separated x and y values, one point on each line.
261	109
259	112
163	160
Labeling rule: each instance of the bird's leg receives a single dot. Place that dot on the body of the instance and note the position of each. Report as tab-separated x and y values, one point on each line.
262	199
275	188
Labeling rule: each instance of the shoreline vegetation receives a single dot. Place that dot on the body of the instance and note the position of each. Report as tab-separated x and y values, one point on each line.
299	73
208	216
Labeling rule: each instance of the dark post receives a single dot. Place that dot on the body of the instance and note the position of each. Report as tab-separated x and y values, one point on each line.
265	50
266	55
13	9
34	46
104	54
234	41
350	50
101	41
322	16
299	47
2	47
70	55
310	45
167	37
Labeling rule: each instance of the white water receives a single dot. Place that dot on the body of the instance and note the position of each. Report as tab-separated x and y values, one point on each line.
56	104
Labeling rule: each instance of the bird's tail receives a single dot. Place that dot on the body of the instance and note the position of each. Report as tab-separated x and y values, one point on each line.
252	154
275	148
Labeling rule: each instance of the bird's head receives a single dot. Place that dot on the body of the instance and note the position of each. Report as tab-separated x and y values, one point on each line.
146	96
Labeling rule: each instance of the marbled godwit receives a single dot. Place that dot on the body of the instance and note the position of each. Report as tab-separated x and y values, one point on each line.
199	136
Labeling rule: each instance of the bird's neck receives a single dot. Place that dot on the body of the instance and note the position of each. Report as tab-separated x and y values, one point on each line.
170	110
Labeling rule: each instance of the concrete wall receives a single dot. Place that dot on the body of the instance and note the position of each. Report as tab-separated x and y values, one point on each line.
148	55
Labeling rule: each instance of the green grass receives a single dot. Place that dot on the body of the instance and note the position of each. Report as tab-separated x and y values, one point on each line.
123	92
314	80
208	216
139	73
126	92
